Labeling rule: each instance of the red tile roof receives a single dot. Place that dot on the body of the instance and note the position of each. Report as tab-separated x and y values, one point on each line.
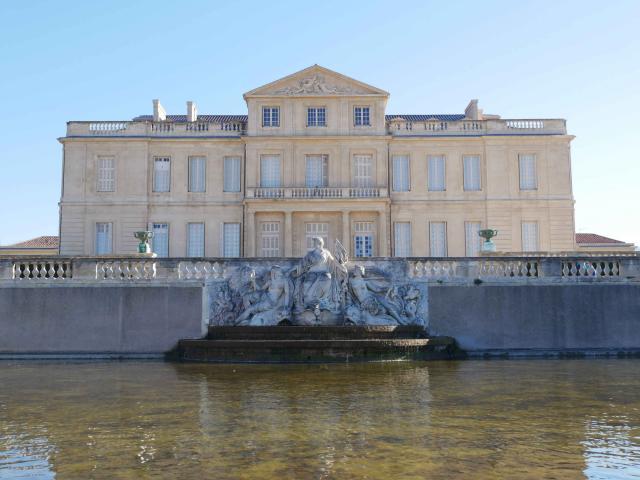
45	241
595	238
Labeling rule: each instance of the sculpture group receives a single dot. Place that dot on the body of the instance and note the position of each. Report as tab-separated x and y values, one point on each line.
321	289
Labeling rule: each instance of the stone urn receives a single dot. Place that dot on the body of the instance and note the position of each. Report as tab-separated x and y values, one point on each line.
488	234
144	236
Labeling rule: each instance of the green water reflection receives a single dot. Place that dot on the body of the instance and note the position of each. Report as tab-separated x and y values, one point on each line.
473	419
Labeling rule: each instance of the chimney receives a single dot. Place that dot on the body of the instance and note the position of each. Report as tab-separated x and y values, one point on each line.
192	112
159	115
472	112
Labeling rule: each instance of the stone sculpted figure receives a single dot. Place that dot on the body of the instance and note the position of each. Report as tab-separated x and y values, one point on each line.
319	281
270	303
370	302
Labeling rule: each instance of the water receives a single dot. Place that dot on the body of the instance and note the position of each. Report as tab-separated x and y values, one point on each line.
471	419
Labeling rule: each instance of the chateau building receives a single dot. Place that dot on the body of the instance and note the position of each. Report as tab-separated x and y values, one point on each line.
316	155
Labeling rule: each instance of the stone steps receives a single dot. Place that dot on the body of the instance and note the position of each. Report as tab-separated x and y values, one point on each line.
288	344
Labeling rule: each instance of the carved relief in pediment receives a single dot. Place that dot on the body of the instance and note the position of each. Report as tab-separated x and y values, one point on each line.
317	85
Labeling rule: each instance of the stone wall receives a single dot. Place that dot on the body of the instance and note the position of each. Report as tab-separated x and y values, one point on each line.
98	319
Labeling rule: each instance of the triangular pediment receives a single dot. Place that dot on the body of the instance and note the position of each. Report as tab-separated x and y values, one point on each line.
316	81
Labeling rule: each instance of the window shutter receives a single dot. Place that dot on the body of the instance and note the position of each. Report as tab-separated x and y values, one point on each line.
362	170
401	173
528	173
436	173
316	172
530	237
161	174
104	238
402	239
471	172
270	171
195	240
232	174
106	174
160	240
472	240
197	167
438	239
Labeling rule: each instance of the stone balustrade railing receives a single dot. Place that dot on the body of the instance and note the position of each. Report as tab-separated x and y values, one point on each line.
154	129
400	127
316	192
575	268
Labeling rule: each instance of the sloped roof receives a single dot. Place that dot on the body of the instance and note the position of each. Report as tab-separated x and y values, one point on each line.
595	238
45	241
202	118
445	117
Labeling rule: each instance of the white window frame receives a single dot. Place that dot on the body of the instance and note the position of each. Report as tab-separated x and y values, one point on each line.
436	171
161	184
106	174
316	229
195	244
270	179
155	227
528	171
530	236
232	174
363	239
362	116
471	171
270	116
437	245
230	247
363	170
472	241
270	239
399	184
316	116
197	172
103	245
316	171
401	249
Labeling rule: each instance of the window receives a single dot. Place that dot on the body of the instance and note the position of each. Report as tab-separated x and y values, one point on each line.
402	239
270	239
436	175
106	174
197	174
530	237
316	117
361	116
104	238
438	239
161	174
231	174
471	172
270	116
270	171
362	171
401	173
231	240
316	174
363	239
316	230
195	240
472	241
160	240
528	175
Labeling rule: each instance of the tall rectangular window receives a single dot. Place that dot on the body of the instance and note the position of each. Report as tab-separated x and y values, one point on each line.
401	173
402	239
472	241
363	239
231	240
231	174
528	173
195	240
530	237
270	171
361	116
270	116
106	174
316	117
160	240
104	238
270	239
362	171
316	230
197	174
317	171
161	174
438	239
471	172
436	173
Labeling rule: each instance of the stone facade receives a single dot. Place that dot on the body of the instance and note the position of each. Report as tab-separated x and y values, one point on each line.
316	155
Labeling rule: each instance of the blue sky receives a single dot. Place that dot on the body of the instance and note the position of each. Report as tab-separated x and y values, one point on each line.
578	60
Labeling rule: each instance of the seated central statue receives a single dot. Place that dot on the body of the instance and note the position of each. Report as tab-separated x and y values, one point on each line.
319	281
